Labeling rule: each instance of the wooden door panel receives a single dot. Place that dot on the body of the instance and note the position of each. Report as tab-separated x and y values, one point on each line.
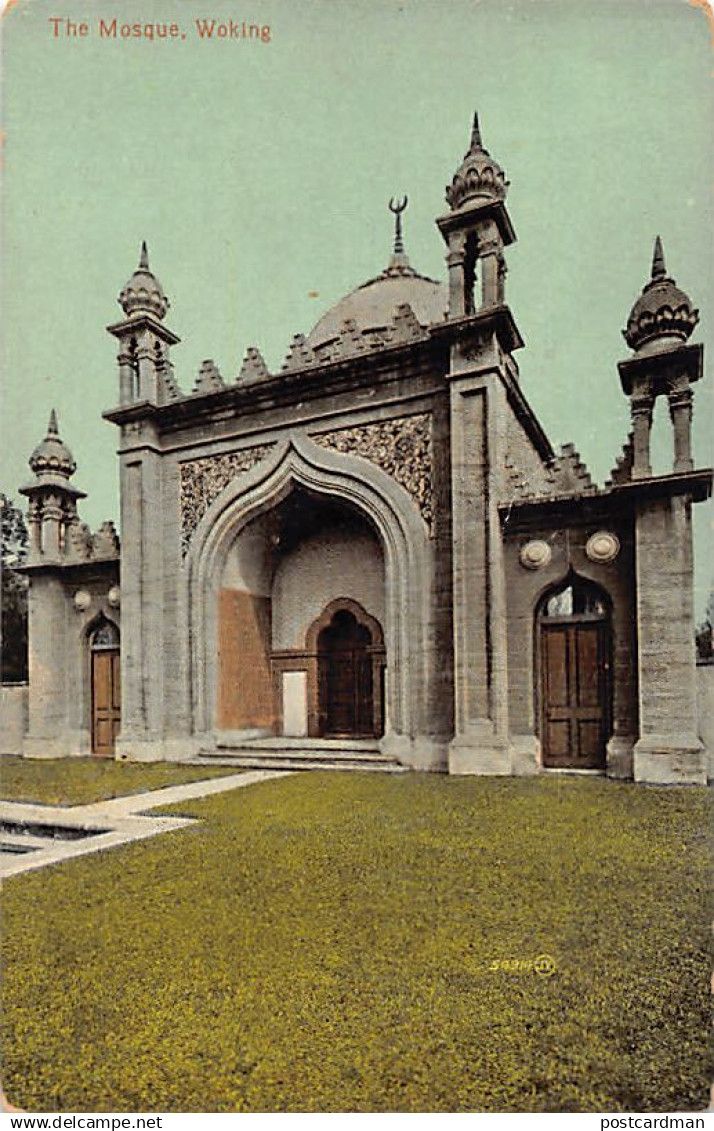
102	681
557	668
340	693
116	685
106	702
558	741
364	701
574	695
590	743
587	640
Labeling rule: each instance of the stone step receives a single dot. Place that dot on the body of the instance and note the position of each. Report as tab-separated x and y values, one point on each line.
307	760
283	744
366	756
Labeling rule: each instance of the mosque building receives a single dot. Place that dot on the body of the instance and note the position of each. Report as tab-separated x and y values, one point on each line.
374	558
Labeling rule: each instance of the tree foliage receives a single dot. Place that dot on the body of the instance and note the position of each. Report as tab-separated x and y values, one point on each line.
705	633
14	592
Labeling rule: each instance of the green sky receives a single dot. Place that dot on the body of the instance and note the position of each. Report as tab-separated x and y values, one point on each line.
259	175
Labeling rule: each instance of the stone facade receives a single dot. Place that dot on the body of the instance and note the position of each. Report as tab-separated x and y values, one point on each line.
378	544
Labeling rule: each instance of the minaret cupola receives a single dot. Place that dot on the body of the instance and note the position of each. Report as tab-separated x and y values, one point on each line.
663	314
52	462
143	294
52	498
145	369
478	178
664	363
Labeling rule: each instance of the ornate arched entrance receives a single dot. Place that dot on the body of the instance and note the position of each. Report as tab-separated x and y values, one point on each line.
574	641
299	464
350	672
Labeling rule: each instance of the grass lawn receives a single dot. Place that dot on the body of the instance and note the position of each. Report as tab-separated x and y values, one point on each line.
336	942
79	781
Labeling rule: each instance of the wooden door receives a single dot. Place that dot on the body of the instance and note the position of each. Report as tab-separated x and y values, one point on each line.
346	679
106	701
574	694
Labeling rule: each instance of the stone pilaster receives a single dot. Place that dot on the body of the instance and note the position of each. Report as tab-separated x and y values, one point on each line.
47	723
142	651
455	260
641	410
668	749
480	743
490	251
680	410
127	374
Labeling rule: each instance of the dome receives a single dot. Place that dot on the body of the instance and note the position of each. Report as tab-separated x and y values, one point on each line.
373	305
143	293
478	178
662	311
52	457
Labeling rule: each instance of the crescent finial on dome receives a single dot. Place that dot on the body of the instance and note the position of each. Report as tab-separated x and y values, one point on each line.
144	257
399	256
52	428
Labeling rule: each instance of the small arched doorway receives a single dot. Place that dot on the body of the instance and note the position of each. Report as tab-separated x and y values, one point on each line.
350	676
105	687
574	663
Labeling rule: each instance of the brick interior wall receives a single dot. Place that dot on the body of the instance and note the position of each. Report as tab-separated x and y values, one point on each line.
245	693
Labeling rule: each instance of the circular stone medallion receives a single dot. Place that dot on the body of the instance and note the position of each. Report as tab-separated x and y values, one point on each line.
536	554
602	547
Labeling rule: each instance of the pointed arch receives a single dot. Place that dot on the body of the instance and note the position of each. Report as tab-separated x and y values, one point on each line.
299	462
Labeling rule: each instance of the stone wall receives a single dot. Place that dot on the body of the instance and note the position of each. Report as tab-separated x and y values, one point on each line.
13	717
526	587
320	570
668	749
63	610
523	474
705	712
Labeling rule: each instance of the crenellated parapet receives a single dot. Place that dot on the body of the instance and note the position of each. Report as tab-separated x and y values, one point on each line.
209	378
299	355
253	368
622	471
570	475
353	341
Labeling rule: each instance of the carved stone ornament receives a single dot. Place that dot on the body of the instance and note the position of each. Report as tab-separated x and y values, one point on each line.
82	600
401	448
114	597
536	554
202	481
602	547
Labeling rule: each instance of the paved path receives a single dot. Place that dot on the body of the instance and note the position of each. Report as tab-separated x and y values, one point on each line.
114	822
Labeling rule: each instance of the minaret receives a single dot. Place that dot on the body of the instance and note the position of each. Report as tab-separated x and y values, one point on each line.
145	383
144	341
52	498
481	335
659	325
476	230
664	363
